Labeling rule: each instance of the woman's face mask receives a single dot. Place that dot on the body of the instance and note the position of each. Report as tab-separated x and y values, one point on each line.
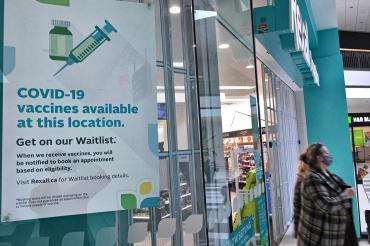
327	159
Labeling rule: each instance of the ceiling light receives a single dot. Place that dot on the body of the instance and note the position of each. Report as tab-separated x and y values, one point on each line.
178	64
358	92
222	97
237	87
177	87
202	14
175	10
249	66
224	46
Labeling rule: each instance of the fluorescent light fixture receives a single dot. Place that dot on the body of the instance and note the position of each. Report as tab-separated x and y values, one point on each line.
175	10
178	64
177	87
358	92
224	46
249	66
203	14
236	87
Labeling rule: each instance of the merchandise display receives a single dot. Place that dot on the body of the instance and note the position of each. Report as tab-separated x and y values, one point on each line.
244	183
360	140
164	207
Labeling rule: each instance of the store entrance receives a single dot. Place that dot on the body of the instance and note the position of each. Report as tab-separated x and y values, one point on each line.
360	139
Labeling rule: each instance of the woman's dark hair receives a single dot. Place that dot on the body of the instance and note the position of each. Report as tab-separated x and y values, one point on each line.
310	155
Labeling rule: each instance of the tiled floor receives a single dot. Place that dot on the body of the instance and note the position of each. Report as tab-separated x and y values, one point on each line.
289	239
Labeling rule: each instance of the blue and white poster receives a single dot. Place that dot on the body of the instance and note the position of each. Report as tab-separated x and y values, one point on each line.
79	108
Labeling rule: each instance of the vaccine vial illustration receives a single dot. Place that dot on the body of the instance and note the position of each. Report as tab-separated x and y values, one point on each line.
60	40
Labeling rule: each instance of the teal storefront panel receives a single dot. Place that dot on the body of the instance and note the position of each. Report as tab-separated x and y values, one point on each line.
272	29
326	109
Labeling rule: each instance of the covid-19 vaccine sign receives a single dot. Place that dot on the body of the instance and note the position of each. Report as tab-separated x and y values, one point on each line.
79	108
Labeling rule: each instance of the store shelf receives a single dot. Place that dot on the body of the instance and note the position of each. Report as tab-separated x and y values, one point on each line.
188	194
141	217
184	208
166	216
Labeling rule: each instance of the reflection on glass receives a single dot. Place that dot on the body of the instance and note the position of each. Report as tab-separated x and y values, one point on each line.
230	125
360	138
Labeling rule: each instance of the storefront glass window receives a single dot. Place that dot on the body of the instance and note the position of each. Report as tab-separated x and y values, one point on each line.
212	188
230	126
360	139
280	148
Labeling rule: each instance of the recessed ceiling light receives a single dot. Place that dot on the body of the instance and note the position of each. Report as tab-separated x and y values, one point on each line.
224	46
351	7
236	87
358	92
249	66
178	64
175	10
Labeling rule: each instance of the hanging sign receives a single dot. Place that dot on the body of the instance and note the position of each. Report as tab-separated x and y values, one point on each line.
79	108
301	53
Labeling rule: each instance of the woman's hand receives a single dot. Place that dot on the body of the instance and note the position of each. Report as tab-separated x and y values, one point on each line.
349	192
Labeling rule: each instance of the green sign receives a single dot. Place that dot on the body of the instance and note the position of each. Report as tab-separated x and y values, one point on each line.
242	235
359	137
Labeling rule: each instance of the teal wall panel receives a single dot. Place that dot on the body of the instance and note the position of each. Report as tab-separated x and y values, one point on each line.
272	29
281	18
272	43
326	109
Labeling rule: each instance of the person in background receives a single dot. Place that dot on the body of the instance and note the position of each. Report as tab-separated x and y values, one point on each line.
302	170
362	172
326	213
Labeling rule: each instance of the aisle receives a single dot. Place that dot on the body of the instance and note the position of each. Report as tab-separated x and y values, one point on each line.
289	239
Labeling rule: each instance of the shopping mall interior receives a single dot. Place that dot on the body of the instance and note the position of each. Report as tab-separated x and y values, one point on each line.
228	94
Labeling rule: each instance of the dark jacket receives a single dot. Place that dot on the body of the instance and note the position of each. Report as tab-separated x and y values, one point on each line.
297	203
323	213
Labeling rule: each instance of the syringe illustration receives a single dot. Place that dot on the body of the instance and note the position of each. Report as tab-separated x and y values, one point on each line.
89	45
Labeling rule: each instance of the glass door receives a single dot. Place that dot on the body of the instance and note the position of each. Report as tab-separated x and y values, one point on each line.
230	126
360	139
180	217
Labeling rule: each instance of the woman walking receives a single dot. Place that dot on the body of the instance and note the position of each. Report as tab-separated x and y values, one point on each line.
326	213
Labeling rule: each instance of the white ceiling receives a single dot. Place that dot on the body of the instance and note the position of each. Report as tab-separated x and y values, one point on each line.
353	15
357	78
324	13
358	105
